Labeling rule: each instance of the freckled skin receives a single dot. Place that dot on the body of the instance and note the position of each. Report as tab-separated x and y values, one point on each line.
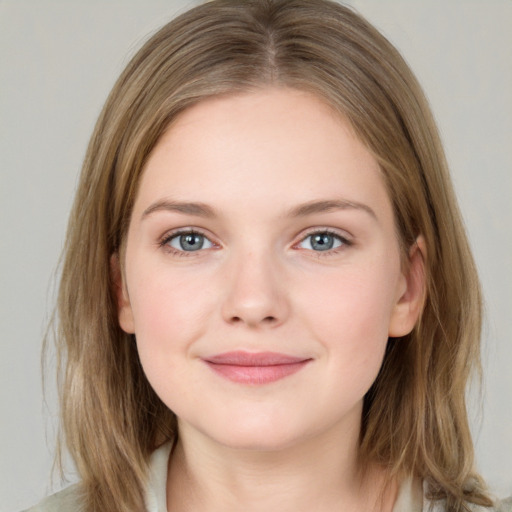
258	285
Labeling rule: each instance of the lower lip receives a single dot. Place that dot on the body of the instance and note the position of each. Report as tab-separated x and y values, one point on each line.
256	375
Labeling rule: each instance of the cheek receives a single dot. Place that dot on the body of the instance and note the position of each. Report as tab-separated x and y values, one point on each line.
169	316
349	312
170	310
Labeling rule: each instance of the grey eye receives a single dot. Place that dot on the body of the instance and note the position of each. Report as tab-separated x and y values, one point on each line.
190	242
322	241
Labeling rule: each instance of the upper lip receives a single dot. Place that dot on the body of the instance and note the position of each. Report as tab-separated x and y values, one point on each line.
242	358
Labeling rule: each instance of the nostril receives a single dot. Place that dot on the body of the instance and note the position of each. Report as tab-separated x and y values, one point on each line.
266	320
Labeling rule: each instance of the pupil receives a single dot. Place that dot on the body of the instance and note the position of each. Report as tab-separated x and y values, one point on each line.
191	242
322	242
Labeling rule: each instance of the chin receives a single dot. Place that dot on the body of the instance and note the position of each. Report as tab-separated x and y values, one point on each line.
263	436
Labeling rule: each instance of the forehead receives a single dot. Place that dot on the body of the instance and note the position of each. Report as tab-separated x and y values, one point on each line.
274	147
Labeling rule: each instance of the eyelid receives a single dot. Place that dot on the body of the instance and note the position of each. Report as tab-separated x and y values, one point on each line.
346	238
164	240
341	233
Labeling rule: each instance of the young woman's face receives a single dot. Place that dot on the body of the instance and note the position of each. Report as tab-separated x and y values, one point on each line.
262	270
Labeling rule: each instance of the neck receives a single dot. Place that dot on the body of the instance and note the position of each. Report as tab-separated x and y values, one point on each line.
317	474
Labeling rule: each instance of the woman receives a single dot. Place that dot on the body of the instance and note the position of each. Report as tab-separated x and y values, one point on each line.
266	278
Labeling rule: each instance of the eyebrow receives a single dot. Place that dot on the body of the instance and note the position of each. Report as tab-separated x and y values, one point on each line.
187	208
203	210
325	206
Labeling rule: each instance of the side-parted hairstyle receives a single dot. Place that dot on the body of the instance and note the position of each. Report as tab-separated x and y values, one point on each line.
415	419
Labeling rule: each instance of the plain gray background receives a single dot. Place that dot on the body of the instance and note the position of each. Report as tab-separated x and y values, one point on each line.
58	61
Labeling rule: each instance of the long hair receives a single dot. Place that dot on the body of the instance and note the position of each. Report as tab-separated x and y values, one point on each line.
414	420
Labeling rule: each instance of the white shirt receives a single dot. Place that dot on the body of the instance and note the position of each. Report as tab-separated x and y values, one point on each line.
410	495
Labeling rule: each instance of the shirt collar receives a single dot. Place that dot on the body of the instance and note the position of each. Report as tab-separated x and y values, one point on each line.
156	495
410	494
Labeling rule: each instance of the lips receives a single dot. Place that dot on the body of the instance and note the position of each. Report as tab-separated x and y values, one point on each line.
255	368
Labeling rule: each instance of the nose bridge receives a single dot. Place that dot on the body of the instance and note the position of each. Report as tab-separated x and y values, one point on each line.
255	293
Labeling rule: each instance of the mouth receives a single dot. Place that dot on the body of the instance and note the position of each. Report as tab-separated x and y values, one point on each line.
255	368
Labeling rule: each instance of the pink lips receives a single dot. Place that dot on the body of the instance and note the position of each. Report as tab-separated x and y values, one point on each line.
255	368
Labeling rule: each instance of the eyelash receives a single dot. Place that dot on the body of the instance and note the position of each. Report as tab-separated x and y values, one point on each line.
345	242
164	242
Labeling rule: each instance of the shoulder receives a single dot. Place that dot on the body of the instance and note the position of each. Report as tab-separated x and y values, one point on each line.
504	505
499	506
433	505
71	498
67	500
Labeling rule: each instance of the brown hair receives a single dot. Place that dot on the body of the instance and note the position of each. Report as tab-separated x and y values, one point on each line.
415	420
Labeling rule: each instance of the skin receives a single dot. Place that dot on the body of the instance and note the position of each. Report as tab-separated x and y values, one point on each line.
260	284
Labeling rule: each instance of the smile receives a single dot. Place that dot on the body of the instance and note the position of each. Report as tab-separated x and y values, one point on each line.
255	368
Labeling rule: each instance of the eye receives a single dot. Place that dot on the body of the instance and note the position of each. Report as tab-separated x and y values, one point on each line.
322	241
189	241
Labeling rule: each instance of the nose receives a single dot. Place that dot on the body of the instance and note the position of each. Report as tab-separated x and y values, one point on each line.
255	293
